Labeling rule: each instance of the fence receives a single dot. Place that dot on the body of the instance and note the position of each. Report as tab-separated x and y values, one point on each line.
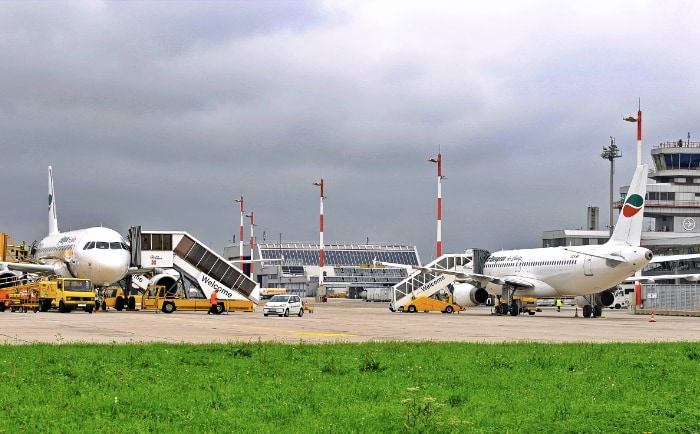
681	298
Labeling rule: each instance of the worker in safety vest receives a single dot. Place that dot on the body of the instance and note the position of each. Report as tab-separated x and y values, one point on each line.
214	302
559	304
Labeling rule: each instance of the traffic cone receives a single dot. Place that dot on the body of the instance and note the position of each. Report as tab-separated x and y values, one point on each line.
652	319
576	315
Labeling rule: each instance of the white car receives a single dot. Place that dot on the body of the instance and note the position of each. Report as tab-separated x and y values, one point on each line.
284	305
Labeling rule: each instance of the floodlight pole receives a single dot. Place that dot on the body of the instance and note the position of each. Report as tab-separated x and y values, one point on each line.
610	153
438	160
251	216
320	249
240	237
638	120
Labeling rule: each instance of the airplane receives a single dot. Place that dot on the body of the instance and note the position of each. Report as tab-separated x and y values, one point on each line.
585	272
98	253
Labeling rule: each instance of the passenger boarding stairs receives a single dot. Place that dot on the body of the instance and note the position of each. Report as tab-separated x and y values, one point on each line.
183	252
425	283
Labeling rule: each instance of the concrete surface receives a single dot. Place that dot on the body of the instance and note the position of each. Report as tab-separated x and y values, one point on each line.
346	321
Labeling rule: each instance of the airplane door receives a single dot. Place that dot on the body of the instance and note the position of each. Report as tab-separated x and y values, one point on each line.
587	267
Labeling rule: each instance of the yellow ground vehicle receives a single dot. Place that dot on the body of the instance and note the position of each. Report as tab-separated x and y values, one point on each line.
155	298
522	304
66	294
427	304
114	298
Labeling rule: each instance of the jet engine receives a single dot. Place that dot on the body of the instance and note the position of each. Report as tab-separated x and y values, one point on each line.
604	298
8	278
467	295
167	278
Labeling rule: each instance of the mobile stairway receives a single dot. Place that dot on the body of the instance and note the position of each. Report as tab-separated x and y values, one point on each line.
193	260
423	282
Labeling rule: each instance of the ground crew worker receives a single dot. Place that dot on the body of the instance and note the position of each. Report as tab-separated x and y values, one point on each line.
214	303
559	304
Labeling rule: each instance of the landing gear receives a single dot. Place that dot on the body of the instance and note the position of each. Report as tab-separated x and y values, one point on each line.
595	311
587	311
506	303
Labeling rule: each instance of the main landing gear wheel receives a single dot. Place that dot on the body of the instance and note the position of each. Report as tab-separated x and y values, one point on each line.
514	309
597	311
587	311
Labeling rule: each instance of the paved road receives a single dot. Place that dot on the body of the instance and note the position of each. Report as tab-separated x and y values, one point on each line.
343	320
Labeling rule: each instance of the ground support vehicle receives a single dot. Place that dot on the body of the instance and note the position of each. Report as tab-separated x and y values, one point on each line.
63	293
21	298
520	304
114	298
428	304
267	293
66	294
156	298
284	305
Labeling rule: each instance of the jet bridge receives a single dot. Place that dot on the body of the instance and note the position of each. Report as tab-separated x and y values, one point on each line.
425	283
184	253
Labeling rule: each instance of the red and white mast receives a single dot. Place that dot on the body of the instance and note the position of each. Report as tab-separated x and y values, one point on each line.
438	160
240	237
251	215
320	250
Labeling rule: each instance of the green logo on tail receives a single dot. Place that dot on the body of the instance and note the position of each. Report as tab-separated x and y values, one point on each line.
632	205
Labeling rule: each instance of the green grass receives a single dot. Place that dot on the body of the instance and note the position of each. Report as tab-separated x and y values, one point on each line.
398	387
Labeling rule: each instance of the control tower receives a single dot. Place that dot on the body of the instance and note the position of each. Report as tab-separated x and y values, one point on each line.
673	201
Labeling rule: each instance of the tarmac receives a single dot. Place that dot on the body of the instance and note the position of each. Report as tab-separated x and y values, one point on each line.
343	320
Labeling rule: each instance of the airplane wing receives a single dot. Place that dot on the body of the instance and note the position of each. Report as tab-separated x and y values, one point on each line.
653	279
471	277
674	257
28	267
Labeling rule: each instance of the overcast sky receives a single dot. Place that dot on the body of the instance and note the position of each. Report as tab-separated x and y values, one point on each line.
161	114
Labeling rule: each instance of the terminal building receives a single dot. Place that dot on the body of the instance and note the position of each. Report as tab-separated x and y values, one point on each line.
348	269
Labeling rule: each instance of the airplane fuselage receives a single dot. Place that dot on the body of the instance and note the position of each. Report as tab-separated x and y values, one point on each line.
99	254
559	271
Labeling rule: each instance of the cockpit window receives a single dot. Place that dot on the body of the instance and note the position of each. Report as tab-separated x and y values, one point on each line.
104	245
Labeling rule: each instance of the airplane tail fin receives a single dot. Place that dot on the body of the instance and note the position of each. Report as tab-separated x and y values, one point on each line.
53	221
629	224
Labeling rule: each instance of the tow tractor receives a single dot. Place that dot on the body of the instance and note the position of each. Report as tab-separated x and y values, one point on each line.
156	298
433	303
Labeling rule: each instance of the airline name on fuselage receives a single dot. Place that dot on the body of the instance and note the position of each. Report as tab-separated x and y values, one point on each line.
67	240
213	284
515	258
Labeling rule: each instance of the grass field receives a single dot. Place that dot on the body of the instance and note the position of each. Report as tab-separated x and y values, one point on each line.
360	388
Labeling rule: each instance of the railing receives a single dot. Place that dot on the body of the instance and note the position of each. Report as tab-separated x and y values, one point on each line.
683	298
678	144
665	204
